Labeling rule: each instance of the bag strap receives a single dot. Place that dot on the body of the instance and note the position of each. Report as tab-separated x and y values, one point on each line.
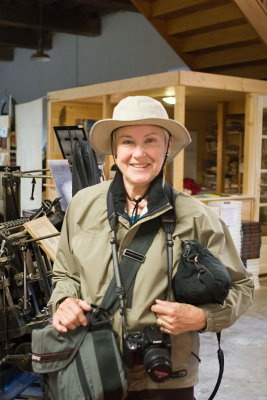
133	256
111	382
168	222
221	366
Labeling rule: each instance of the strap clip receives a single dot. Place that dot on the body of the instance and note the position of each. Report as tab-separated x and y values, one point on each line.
134	255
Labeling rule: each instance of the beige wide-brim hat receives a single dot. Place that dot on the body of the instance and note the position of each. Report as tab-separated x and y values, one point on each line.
138	110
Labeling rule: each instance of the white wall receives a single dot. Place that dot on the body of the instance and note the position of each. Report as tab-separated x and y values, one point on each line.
29	132
128	46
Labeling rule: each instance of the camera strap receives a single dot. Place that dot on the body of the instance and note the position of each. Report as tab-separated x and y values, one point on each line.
133	256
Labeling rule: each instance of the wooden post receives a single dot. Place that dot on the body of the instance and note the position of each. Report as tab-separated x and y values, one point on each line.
252	151
178	162
221	118
107	113
250	144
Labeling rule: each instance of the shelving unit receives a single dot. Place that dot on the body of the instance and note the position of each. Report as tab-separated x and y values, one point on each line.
234	153
210	160
263	171
232	158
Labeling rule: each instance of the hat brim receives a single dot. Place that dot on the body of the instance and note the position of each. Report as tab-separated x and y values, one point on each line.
100	134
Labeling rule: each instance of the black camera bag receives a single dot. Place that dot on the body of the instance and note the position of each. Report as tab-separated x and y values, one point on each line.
201	278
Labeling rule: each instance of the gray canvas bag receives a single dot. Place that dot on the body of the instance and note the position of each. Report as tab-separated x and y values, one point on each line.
83	364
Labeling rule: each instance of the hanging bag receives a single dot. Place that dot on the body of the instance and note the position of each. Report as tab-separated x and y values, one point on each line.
201	278
85	363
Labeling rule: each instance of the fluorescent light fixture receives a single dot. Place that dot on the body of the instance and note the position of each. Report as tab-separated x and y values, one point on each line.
169	99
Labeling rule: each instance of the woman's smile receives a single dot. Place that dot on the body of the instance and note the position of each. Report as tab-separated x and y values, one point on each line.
139	165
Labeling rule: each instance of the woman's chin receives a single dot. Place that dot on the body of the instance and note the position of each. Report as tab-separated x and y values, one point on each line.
142	180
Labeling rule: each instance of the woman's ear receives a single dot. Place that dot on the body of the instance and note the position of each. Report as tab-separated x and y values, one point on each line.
170	145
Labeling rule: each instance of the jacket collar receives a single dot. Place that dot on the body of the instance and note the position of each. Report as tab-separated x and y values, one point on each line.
157	198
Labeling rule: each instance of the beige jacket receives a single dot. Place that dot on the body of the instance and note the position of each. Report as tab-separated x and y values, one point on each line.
84	268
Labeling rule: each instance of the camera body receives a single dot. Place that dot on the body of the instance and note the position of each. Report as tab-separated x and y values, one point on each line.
151	348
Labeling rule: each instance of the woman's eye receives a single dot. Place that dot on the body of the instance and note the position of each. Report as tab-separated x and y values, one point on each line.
127	141
151	140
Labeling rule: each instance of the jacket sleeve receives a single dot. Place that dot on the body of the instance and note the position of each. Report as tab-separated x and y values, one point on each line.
66	279
213	233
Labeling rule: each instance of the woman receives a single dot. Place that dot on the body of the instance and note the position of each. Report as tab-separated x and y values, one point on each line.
142	139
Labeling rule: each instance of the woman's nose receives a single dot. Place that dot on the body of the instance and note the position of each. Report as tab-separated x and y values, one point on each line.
138	151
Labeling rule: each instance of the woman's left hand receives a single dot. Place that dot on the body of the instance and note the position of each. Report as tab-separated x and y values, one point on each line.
175	318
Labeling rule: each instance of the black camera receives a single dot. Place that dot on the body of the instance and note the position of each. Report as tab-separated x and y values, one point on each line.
151	348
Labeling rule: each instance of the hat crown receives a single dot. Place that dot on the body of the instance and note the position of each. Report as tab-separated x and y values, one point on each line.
134	108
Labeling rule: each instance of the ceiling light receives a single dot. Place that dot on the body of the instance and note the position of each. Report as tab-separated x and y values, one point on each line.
40	56
169	99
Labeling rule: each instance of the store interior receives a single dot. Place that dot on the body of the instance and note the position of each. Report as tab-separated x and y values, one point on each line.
225	167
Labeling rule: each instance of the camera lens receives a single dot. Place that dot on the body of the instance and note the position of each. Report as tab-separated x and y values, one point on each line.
158	364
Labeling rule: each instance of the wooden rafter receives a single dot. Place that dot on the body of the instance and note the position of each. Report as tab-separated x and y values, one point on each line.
256	16
230	56
57	21
213	17
220	37
213	35
24	38
6	53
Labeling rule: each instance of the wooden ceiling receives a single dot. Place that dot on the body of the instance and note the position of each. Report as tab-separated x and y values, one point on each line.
226	37
20	21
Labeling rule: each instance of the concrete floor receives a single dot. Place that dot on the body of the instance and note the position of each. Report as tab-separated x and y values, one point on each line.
245	352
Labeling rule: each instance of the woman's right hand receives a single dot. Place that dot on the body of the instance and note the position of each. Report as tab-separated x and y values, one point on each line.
70	314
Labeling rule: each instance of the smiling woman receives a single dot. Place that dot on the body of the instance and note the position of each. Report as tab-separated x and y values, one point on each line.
159	337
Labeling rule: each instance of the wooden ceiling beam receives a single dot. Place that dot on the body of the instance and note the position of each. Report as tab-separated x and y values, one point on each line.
144	6
58	21
256	15
163	8
70	4
19	16
24	38
95	6
235	55
6	53
257	70
205	19
49	2
220	37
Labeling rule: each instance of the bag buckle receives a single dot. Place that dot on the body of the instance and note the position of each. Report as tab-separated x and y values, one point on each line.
134	255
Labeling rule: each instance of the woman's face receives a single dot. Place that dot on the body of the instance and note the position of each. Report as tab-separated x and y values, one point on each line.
140	150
